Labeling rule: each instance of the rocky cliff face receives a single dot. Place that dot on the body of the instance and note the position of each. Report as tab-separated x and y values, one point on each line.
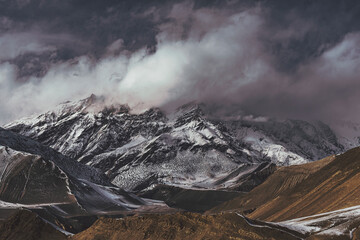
37	177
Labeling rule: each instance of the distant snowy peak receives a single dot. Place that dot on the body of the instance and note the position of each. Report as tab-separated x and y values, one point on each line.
288	142
348	133
90	105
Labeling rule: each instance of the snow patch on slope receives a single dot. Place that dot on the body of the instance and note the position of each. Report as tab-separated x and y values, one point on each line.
330	223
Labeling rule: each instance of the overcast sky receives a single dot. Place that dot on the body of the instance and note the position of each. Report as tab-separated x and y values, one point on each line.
283	58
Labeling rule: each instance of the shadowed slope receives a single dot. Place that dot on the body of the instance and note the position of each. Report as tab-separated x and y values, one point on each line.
26	225
190	199
31	179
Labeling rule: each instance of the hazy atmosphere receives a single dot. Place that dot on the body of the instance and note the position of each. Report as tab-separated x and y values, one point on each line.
287	59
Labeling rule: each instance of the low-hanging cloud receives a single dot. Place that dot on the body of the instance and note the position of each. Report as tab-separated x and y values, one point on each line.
15	44
206	66
206	55
180	70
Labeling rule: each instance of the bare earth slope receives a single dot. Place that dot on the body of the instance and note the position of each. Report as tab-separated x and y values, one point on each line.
283	179
304	190
180	226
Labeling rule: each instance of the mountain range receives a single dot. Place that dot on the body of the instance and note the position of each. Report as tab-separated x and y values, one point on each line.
187	147
85	160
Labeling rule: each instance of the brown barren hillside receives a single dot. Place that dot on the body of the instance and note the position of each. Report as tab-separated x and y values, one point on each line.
356	234
280	181
297	191
26	225
180	226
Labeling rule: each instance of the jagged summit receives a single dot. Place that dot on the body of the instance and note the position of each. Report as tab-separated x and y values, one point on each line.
184	148
137	150
191	107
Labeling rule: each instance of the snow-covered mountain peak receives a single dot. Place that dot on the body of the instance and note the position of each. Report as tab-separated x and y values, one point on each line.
121	143
92	104
137	150
190	107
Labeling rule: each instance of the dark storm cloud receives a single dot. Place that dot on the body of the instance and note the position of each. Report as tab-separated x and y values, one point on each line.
302	30
46	32
96	23
276	58
309	25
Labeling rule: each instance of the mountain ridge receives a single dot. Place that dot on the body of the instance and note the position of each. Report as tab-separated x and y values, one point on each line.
186	148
